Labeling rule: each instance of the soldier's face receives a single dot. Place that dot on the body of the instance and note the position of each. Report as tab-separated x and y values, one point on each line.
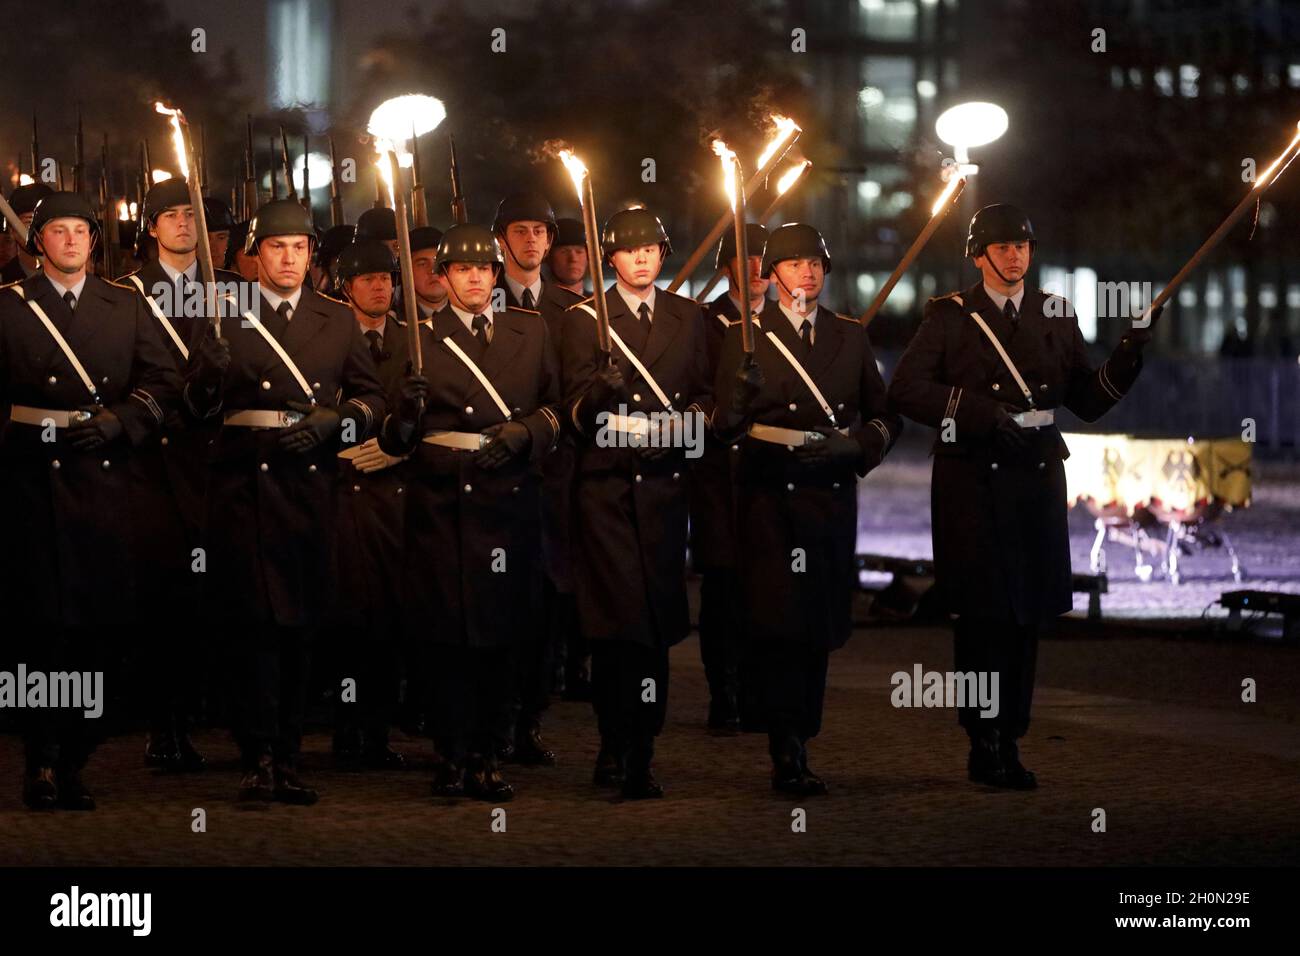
66	244
638	267
174	229
806	275
757	284
569	264
246	266
26	217
429	284
282	262
219	242
471	284
1011	259
372	293
529	242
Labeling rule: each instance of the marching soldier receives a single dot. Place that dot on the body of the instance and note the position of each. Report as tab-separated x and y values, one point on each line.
87	379
525	230
476	424
286	385
712	544
806	417
630	499
237	260
220	221
371	508
568	259
169	478
430	286
988	367
23	200
331	245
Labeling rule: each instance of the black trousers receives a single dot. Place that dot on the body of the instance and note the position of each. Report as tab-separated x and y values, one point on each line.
63	737
793	677
984	645
618	671
471	690
568	648
270	670
534	662
720	630
367	655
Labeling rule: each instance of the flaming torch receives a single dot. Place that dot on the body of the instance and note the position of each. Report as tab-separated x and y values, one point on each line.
947	199
731	177
183	143
1266	179
788	179
787	131
586	198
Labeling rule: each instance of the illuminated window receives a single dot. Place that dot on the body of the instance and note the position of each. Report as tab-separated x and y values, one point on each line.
888	19
298	53
1188	76
1164	82
887	101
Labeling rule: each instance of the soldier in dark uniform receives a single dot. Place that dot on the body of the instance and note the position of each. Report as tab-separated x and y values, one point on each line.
630	503
237	260
378	223
287	385
800	449
476	424
1001	546
372	504
712	540
525	229
75	415
169	483
430	286
220	221
23	200
567	261
323	276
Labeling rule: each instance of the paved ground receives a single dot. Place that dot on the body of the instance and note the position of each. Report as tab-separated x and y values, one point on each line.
1149	728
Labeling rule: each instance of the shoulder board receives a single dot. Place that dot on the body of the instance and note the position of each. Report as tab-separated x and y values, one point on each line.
847	318
329	298
119	284
520	308
16	282
587	301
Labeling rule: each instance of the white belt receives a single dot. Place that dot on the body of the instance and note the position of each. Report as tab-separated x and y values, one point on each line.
467	441
628	425
43	417
1035	418
262	418
786	436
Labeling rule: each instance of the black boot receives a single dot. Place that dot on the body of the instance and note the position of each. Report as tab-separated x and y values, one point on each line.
289	788
529	749
483	780
814	786
640	782
73	794
985	763
40	790
160	748
258	782
787	765
448	780
611	765
724	712
1014	773
346	747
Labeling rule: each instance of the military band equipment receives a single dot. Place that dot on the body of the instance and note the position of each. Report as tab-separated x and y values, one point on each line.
946	201
459	212
336	189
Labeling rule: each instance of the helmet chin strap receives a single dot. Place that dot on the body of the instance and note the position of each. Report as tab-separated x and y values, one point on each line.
786	288
994	267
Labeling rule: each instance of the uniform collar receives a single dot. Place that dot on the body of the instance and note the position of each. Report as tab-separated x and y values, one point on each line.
60	289
634	301
191	271
1000	301
517	290
795	318
467	318
275	298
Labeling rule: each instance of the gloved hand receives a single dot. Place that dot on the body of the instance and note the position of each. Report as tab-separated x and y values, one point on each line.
100	429
669	436
1007	435
213	360
371	458
835	448
318	425
505	441
608	390
748	383
412	395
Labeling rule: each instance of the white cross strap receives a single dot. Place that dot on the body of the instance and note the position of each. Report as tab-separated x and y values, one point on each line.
256	323
1006	359
636	362
160	316
478	374
803	374
60	341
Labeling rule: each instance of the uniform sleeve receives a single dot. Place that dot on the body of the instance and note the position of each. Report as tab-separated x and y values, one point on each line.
881	425
362	395
1089	392
578	358
729	359
700	387
918	390
155	380
545	424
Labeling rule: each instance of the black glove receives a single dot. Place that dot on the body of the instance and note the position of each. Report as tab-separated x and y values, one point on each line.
411	397
748	383
100	429
835	448
505	441
661	441
318	425
608	390
1007	435
213	360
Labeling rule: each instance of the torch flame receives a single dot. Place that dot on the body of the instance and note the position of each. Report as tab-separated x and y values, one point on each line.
178	139
791	176
785	128
159	175
123	210
577	169
135	210
1268	173
944	196
728	157
383	147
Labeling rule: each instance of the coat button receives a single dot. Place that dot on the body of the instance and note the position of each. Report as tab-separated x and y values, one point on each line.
1043	387
677	396
311	469
1042	465
636	396
735	448
794	407
356	487
677	476
468	489
400	489
996	386
517	410
266	386
164	441
514	490
835	486
106	464
994	466
839	407
104	381
469	409
638	479
56	464
264	466
53	380
316	386
790	486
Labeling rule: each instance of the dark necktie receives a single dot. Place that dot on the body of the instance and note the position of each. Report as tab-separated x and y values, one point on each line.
285	311
71	299
642	328
482	332
1010	313
376	345
528	301
806	333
